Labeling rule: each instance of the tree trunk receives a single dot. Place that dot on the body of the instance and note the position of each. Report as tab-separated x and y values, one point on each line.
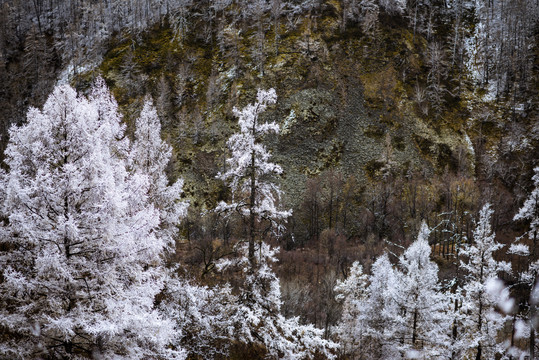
414	331
532	333
252	212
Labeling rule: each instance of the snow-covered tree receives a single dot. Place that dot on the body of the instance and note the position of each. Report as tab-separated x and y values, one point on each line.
529	212
150	156
256	316
202	317
393	6
480	323
371	317
254	195
80	255
103	102
401	313
425	326
353	293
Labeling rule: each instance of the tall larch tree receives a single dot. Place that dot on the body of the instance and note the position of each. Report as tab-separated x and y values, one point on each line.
150	156
352	292
425	326
250	173
256	317
372	315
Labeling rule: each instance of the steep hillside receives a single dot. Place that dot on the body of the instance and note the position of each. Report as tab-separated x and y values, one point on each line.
377	104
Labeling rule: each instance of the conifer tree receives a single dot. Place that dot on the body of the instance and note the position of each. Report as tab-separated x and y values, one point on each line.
80	255
256	315
402	312
480	322
254	195
529	212
424	324
352	292
149	156
371	316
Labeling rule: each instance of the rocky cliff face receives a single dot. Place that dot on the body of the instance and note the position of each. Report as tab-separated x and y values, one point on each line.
346	100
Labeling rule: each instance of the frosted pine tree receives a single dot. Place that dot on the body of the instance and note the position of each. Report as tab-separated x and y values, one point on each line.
107	113
372	317
529	212
352	292
254	195
150	156
480	322
80	256
256	317
425	324
202	315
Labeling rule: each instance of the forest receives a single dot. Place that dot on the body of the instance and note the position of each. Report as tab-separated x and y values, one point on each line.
269	179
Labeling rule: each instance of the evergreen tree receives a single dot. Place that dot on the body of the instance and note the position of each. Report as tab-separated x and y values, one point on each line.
353	293
150	156
256	316
202	316
480	323
402	312
529	212
372	316
254	195
424	324
81	258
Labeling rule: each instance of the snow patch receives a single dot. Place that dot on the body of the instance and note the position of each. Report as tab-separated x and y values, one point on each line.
72	70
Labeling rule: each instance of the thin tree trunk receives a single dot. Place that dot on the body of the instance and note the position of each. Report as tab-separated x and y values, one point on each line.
532	338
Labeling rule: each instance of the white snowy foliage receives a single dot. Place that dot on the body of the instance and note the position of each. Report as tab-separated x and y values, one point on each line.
393	6
249	157
354	285
529	213
202	317
352	292
81	259
423	324
256	318
149	156
480	322
370	320
530	209
519	249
